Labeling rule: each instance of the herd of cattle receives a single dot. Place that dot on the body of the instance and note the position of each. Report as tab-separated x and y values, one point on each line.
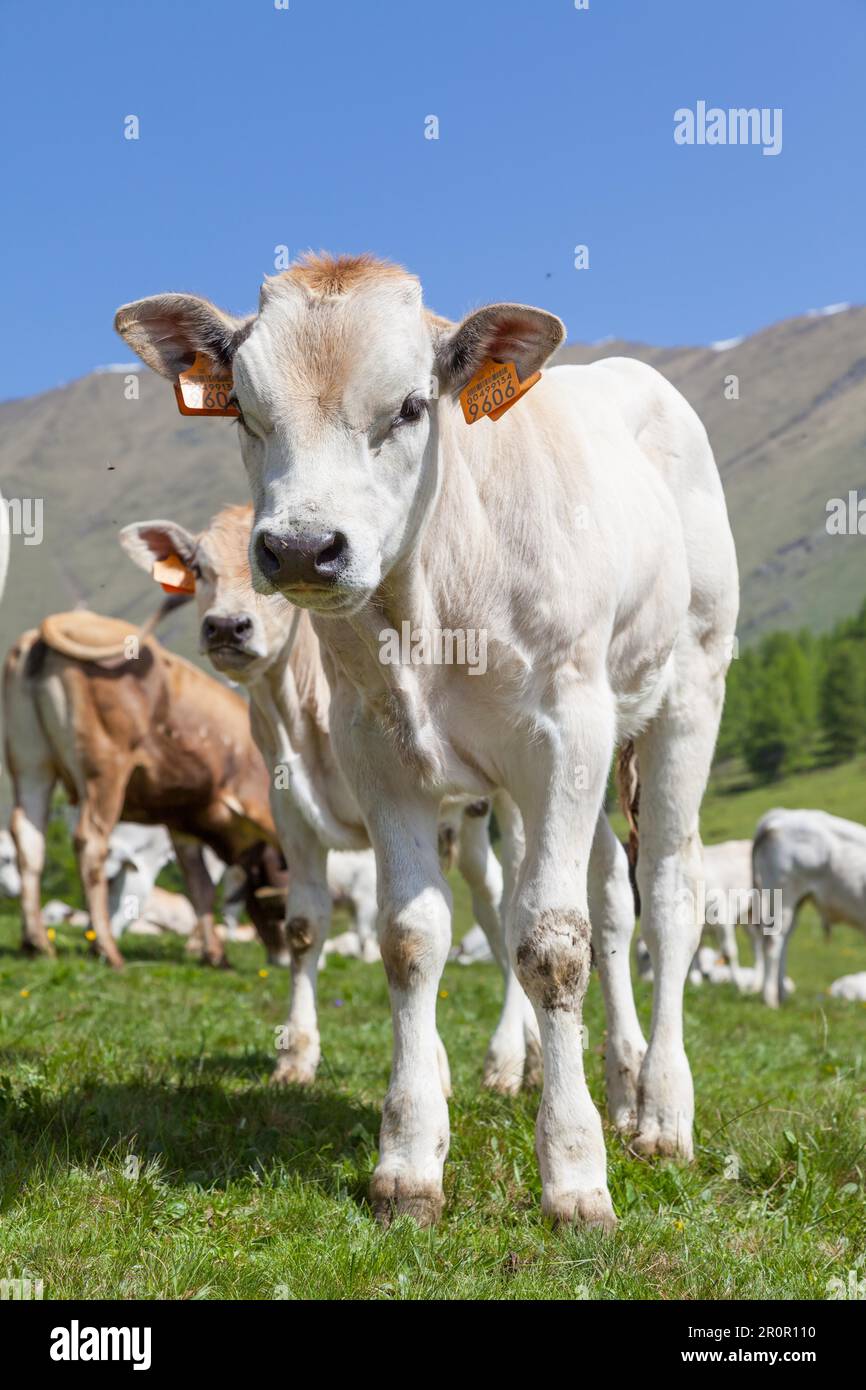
585	533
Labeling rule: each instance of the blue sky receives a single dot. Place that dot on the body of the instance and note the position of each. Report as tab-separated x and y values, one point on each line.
305	127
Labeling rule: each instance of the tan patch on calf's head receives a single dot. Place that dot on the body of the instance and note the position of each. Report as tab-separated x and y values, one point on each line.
326	276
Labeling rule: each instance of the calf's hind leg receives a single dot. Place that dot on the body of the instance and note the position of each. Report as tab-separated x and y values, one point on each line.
308	921
559	790
611	907
506	1056
674	756
27	826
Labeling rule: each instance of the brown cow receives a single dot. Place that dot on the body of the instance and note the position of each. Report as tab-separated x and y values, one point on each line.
133	732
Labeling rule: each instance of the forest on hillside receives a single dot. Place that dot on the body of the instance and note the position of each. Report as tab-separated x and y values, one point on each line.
795	700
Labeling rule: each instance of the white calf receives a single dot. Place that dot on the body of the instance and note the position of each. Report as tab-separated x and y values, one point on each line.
582	541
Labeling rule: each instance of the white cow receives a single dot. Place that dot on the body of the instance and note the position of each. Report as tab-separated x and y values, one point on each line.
582	542
136	856
10	879
270	647
850	987
807	856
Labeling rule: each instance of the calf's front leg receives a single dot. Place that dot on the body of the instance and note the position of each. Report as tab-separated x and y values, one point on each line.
414	936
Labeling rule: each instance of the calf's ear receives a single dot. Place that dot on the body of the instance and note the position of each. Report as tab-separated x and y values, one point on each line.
147	541
167	330
503	332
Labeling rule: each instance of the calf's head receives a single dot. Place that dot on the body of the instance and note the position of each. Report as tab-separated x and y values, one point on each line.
241	631
338	380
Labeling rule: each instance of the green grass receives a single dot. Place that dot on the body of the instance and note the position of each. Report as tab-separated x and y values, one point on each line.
143	1154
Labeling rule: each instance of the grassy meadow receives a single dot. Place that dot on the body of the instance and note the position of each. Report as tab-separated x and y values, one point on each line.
143	1154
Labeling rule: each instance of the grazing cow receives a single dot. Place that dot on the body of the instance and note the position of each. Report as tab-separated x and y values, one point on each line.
133	732
10	879
850	987
136	855
270	646
806	856
583	539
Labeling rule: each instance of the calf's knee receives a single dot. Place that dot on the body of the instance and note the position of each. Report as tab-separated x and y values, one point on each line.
553	957
413	941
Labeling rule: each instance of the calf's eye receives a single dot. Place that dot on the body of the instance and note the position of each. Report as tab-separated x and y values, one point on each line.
411	410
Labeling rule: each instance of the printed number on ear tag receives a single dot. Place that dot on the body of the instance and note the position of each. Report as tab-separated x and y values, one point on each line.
495	388
203	389
173	576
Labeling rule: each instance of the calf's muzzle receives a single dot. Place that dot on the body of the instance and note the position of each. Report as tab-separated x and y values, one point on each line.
218	631
287	561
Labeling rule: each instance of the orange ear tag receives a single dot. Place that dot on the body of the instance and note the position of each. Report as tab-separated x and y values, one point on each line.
203	389
494	389
173	576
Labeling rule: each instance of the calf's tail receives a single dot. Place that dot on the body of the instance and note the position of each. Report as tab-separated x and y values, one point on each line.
627	778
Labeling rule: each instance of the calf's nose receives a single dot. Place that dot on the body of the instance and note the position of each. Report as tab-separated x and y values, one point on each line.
234	628
289	560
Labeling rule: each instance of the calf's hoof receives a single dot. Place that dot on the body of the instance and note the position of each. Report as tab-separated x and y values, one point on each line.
34	949
622	1093
113	958
216	962
623	1119
589	1210
654	1141
392	1195
503	1074
294	1071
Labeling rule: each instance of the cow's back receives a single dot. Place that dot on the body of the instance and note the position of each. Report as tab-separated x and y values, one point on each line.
176	738
813	854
